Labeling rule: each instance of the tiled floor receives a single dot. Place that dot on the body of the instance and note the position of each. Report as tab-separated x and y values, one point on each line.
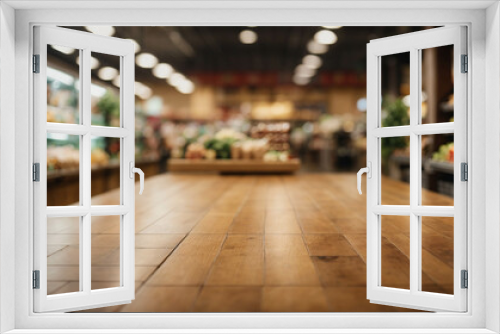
208	243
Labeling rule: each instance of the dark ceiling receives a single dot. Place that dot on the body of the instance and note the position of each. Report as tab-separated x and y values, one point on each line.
193	50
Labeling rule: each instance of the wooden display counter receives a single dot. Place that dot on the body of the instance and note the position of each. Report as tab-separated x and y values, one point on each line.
233	166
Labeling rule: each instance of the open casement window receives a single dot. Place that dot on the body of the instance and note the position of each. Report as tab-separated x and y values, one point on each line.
420	210
64	120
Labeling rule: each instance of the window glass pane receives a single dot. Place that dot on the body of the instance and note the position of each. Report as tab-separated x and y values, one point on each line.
395	89
63	169
437	254
438	169
105	176
105	91
63	255
105	252
437	85
395	157
62	85
395	246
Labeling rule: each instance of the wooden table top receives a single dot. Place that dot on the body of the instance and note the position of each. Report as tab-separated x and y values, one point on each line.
294	243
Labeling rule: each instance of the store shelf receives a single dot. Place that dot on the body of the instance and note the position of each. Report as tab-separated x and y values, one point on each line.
438	166
233	166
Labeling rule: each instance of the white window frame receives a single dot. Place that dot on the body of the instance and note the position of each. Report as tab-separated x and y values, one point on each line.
413	44
482	19
86	297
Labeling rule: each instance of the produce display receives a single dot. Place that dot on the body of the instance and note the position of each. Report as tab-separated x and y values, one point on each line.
68	157
445	153
62	102
230	144
62	157
276	134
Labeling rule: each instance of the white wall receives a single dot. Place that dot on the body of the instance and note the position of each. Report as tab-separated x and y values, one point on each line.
7	189
492	150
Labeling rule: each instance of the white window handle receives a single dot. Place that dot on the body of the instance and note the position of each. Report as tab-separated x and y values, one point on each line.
133	170
368	171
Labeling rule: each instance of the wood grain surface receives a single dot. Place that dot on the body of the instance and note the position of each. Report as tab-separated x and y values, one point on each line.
293	243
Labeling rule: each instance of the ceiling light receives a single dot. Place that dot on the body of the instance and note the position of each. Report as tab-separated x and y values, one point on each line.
163	71
94	62
304	71
97	91
137	46
143	91
248	37
101	30
316	48
116	81
332	27
301	81
107	73
185	87
63	49
60	76
176	79
312	61
146	60
325	37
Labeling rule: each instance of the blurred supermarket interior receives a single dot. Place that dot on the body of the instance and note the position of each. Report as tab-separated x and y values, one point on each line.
246	115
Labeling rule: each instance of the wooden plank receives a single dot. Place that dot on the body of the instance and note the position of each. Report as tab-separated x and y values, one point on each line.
240	262
341	270
167	240
283	245
214	222
190	263
229	299
281	222
237	271
163	299
243	245
328	245
294	299
290	271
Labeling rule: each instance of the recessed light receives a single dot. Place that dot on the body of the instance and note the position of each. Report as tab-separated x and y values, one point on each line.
316	48
60	76
312	61
143	91
107	73
163	70
185	87
248	37
137	46
94	62
97	91
176	79
332	27
63	49
146	60
101	30
325	37
304	71
116	81
301	81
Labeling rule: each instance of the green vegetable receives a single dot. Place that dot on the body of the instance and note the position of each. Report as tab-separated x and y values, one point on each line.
396	114
222	147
